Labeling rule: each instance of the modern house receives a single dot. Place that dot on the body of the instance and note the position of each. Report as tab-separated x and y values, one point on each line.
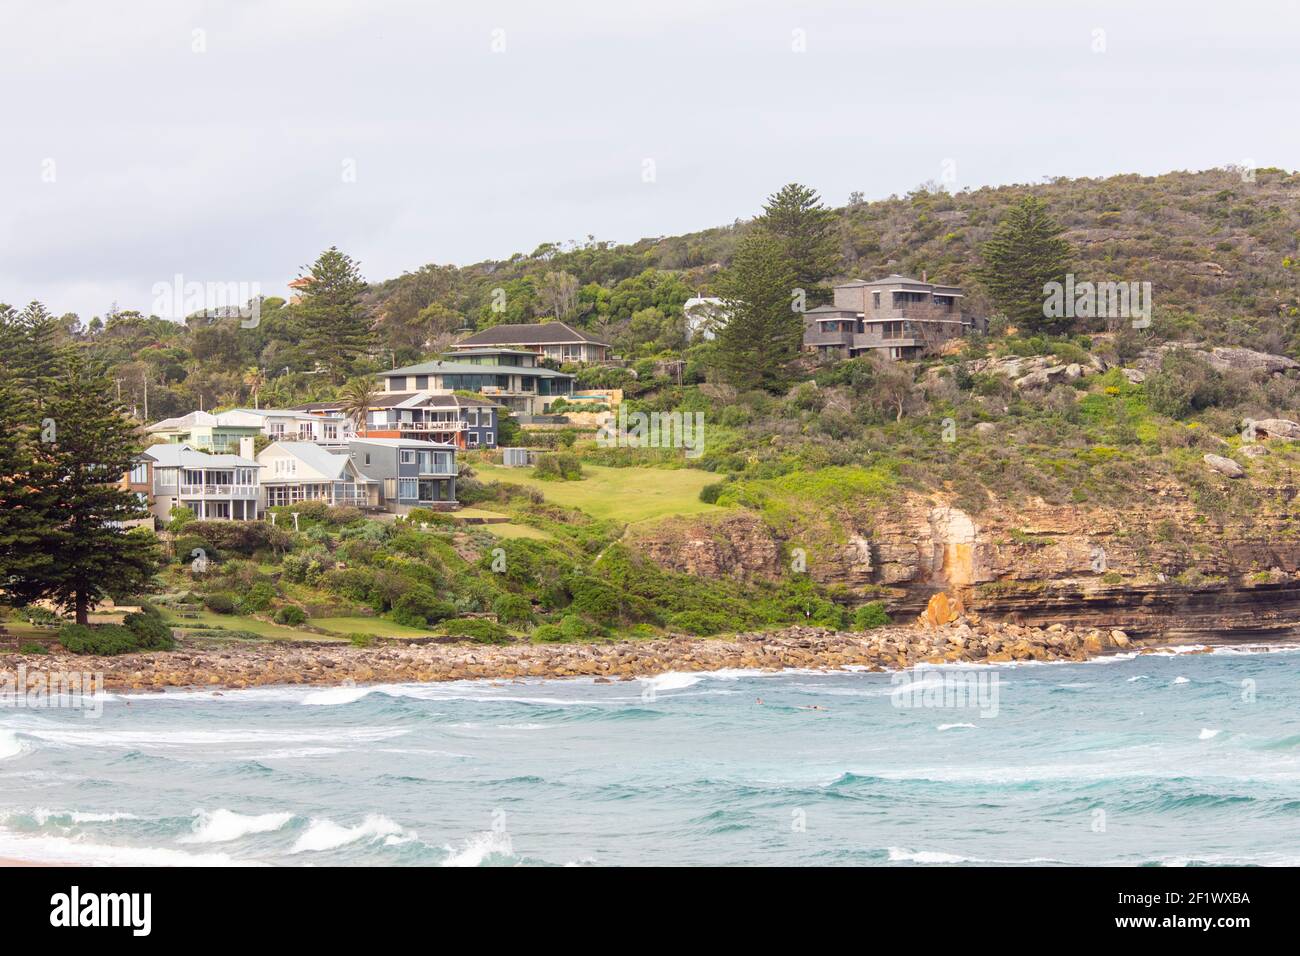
294	471
221	433
895	316
294	424
511	378
225	431
214	487
410	473
554	340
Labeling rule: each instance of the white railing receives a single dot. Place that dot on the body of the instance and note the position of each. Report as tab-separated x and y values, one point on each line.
219	491
452	426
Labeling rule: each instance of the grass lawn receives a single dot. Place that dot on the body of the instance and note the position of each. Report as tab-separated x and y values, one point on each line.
511	530
236	622
368	625
628	495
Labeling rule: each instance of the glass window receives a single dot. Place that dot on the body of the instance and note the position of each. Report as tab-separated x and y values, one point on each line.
408	489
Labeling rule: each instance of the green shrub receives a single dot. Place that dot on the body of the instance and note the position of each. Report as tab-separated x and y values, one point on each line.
151	633
103	639
512	609
31	647
219	603
418	606
547	633
357	639
180	517
42	617
709	493
477	630
870	615
574	628
701	623
560	466
257	598
291	615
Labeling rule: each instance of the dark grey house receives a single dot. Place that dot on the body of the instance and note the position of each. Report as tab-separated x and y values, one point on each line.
410	473
896	316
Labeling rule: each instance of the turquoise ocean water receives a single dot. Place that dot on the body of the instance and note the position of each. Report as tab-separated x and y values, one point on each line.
1156	759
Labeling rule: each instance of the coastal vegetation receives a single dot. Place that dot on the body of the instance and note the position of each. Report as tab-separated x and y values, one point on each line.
1088	413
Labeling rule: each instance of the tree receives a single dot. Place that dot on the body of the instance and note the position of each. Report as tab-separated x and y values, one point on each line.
1025	253
333	323
357	398
764	334
73	459
560	293
806	230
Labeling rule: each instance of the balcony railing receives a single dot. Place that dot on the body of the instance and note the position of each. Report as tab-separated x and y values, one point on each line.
219	491
448	426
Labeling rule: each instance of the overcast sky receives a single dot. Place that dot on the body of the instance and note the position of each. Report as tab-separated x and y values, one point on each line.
135	148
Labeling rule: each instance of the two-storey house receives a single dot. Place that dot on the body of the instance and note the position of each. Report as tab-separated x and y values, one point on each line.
554	340
898	317
213	487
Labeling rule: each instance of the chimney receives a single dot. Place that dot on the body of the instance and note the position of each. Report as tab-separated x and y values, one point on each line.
924	276
246	447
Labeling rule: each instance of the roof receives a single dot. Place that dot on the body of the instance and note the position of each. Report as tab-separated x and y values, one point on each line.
824	309
469	368
896	279
184	421
489	350
314	456
183	456
539	333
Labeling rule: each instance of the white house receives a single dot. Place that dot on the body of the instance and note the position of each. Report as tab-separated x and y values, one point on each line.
214	487
295	471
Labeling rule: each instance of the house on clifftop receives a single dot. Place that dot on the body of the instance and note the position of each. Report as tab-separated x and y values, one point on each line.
897	317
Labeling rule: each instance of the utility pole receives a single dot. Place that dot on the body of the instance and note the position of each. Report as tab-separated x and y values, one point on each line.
146	398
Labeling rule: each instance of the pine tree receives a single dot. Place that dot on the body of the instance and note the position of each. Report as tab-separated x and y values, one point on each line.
333	323
806	230
1025	253
69	546
763	334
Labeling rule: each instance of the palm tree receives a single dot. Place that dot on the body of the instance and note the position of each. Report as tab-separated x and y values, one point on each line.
254	379
357	397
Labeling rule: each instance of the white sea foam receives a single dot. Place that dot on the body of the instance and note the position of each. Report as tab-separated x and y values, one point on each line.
221	825
1181	680
672	680
324	834
1139	677
900	855
479	847
1208	734
955	726
10	745
43	816
61	849
164	738
336	695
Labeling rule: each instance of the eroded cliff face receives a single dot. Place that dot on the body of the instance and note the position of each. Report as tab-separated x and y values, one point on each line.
1156	566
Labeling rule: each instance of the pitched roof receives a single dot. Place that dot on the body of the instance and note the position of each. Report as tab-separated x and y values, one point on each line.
416	443
539	333
314	456
469	368
183	456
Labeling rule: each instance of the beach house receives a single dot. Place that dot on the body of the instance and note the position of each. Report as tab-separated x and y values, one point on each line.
897	317
554	340
214	487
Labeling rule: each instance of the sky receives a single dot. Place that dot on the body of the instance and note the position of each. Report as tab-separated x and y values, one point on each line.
232	142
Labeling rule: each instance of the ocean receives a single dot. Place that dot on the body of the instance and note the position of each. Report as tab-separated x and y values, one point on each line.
1156	759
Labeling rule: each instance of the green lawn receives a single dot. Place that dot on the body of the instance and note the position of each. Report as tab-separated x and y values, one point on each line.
511	530
368	625
622	494
237	622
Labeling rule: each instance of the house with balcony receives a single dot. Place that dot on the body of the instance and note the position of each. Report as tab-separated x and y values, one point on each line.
410	473
554	340
509	378
468	423
897	317
294	471
213	487
139	481
296	424
220	433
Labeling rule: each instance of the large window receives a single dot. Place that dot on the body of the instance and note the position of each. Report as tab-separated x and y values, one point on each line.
408	489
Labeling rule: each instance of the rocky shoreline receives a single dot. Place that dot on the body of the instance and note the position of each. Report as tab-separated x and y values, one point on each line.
965	639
